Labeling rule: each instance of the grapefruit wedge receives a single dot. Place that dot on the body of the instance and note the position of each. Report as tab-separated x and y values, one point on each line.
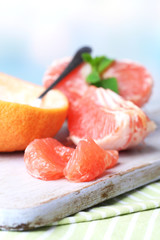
20	122
111	121
134	81
89	161
46	158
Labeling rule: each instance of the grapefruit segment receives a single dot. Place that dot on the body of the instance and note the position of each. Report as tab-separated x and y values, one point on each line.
134	81
106	117
46	158
89	161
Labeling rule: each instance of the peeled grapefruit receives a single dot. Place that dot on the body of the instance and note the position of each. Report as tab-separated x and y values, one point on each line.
134	81
111	121
89	161
20	122
73	85
46	158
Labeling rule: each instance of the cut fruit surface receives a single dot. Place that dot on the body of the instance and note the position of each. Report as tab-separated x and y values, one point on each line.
107	118
89	161
46	158
20	122
134	81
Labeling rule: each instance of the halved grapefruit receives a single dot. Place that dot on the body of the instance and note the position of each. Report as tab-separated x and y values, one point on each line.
20	121
111	121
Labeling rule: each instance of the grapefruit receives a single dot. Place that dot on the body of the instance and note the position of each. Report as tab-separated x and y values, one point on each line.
73	85
111	121
134	81
89	161
20	122
46	158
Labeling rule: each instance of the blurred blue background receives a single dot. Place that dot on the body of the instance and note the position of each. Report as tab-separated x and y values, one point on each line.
34	33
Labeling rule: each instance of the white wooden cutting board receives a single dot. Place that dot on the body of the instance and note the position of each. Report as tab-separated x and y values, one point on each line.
26	202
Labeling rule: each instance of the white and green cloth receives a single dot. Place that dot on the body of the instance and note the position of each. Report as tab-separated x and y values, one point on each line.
131	216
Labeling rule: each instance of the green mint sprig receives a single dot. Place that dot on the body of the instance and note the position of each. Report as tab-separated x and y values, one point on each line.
99	64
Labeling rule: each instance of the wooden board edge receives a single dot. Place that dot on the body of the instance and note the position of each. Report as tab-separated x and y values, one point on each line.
26	219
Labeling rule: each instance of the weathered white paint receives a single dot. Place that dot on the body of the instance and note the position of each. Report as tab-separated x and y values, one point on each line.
27	203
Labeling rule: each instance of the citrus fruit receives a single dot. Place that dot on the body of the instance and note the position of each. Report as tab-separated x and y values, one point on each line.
73	85
134	81
89	161
111	121
20	122
46	158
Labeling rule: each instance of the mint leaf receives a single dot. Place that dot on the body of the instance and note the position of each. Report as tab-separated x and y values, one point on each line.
93	77
96	61
105	62
110	83
99	64
87	57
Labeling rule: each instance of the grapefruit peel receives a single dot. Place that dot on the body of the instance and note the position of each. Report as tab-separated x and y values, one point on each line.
20	122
